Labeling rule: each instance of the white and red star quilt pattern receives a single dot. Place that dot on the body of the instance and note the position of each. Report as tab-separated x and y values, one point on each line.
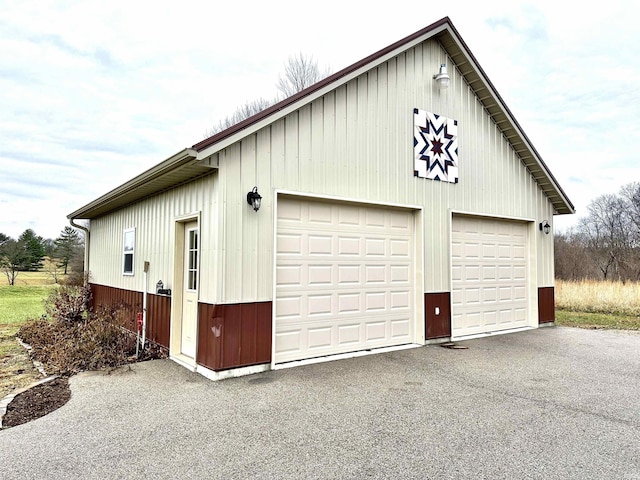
435	143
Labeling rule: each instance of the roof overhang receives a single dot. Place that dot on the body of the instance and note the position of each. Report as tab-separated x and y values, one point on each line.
179	168
496	108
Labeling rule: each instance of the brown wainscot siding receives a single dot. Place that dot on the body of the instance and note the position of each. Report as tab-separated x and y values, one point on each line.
158	309
158	318
437	326
234	335
546	305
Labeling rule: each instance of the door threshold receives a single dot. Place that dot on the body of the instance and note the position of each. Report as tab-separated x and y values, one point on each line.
187	362
490	334
342	356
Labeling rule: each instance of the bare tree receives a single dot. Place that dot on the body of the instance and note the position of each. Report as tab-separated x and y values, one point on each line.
242	112
52	270
631	195
612	234
13	258
570	254
606	242
603	229
300	72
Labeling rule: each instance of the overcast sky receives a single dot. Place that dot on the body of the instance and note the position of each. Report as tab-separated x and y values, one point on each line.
93	93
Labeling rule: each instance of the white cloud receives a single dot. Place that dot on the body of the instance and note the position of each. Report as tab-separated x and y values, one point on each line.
95	92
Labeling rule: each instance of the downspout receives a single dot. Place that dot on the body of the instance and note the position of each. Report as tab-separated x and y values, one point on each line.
86	248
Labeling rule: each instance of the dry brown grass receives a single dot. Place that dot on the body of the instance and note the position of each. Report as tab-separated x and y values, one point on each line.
598	297
16	368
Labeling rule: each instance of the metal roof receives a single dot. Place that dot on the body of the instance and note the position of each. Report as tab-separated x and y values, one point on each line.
177	169
199	160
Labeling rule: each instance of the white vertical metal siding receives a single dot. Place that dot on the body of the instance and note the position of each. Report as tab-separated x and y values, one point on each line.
153	220
356	142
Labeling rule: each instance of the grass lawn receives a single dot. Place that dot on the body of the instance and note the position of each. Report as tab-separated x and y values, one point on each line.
18	304
568	318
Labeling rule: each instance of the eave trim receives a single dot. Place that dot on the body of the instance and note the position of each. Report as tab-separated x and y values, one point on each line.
90	210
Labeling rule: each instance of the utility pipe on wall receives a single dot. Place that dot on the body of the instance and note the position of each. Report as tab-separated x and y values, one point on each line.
86	247
144	305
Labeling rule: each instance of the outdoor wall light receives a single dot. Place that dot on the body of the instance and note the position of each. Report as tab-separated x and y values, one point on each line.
254	199
442	78
545	227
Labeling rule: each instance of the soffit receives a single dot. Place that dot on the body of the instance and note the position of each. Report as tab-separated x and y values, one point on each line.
177	169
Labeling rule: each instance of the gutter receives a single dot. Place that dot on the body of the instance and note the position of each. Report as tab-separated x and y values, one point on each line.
86	248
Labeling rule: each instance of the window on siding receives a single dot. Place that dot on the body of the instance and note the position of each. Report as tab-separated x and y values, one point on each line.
128	251
192	267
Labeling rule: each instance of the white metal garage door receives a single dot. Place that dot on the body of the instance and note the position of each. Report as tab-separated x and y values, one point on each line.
344	275
489	275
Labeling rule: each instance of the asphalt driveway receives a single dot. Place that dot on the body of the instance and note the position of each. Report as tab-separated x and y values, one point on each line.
548	403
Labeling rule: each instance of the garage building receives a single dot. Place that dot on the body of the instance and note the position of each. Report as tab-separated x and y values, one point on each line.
400	204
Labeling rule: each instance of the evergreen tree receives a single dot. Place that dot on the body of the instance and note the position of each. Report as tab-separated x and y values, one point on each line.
34	247
67	247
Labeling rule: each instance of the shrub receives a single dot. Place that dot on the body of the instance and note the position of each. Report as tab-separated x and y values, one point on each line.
69	347
69	303
70	338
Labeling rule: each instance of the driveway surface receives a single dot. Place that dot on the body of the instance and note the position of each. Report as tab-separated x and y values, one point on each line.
548	403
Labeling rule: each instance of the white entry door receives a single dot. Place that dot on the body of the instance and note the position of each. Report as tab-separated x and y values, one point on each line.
344	278
489	275
190	290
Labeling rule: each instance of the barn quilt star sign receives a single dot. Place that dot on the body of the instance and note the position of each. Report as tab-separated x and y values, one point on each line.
435	143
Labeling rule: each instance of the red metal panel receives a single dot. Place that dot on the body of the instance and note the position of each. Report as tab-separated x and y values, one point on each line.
158	318
546	305
111	297
158	309
209	331
234	335
105	295
437	325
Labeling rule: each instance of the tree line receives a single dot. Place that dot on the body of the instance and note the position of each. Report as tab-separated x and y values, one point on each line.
605	244
28	251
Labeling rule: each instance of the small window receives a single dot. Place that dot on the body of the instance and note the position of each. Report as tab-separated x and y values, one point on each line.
192	267
128	251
